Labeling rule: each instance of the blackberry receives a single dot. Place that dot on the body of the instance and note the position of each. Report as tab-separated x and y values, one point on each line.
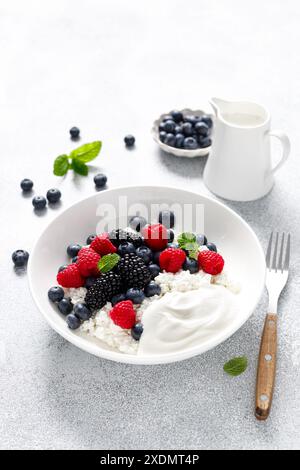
103	289
119	236
133	271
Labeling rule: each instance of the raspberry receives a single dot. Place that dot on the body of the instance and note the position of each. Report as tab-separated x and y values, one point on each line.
102	245
156	236
123	314
87	262
70	277
211	262
172	259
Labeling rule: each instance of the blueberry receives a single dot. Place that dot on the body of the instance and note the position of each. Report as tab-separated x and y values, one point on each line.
53	195
62	268
171	235
167	117
100	180
136	331
172	245
170	126
39	203
162	136
178	129
73	322
206	142
74	131
137	222
65	306
73	250
211	246
135	295
167	218
201	239
90	281
90	238
156	255
190	143
190	265
177	116
161	127
179	141
190	119
56	293
201	128
170	140
152	289
129	140
20	258
82	311
126	248
187	129
154	270
145	253
26	185
207	120
75	259
117	298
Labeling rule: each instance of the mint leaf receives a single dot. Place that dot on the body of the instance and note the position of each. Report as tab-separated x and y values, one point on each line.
108	262
61	165
236	366
186	238
79	167
87	152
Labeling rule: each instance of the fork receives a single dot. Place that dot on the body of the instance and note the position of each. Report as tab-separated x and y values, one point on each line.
277	261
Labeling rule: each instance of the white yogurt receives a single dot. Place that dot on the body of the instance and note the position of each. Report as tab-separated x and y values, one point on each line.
181	320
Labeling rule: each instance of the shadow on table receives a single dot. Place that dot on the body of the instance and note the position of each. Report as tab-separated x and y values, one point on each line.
186	167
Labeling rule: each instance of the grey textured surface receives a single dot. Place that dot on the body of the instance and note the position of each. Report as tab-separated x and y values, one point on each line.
98	64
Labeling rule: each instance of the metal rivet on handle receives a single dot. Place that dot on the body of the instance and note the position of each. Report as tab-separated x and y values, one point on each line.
264	398
268	357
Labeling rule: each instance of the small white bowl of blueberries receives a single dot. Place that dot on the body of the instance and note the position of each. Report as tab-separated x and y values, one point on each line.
184	133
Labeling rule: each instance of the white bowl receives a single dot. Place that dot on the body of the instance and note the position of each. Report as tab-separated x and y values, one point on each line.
175	151
237	241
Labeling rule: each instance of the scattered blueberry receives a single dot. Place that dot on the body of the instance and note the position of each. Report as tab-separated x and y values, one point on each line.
90	281
82	311
190	143
154	270
90	238
100	180
56	293
117	298
206	142
20	258
74	131
162	136
190	265
61	268
26	185
65	306
73	250
208	121
179	141
170	126
152	289
73	322
201	239
145	253
211	246
135	295
53	195
156	255
167	218
170	140
129	140
126	248
177	116
39	203
75	259
201	128
187	129
137	222
136	331
171	235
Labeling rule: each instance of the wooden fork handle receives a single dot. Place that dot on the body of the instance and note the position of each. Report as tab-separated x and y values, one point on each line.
266	369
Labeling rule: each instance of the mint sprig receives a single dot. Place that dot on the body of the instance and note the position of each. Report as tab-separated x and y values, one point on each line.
187	241
236	366
108	262
77	159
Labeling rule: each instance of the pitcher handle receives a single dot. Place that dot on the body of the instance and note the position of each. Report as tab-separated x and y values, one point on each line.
286	148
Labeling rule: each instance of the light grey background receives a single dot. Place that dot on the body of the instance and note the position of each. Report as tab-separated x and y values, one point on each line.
111	67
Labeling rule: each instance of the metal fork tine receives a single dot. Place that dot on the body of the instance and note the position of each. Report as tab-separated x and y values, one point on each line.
274	263
281	254
287	255
269	250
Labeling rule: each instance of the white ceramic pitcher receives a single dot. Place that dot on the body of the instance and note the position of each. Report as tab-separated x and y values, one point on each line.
240	166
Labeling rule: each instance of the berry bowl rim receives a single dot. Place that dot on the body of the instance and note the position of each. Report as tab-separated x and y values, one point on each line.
176	151
53	317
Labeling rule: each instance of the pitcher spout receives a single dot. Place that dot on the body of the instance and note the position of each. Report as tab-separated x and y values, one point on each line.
218	105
